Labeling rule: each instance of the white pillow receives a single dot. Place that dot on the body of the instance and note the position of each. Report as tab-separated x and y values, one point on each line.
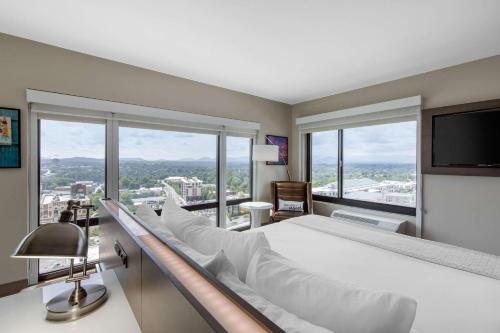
178	219
287	321
214	263
336	305
148	215
239	247
293	206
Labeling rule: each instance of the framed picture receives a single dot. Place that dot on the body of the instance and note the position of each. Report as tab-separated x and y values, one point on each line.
282	143
10	138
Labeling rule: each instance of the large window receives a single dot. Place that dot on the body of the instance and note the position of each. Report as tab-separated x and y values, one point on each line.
155	163
324	163
238	180
86	155
375	167
72	166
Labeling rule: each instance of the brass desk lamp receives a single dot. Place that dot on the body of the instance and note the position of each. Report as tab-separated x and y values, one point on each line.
65	240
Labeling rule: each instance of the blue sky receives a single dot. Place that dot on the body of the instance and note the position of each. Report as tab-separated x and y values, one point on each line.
394	143
61	139
68	139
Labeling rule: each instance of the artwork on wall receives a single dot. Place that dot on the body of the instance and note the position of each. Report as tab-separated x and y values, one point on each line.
282	143
10	145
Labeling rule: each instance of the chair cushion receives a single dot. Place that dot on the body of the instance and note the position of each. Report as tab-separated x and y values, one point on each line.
281	215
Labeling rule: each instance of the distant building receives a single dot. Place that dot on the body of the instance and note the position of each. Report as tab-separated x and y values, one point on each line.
155	202
78	190
350	185
400	199
189	188
155	190
62	190
51	206
401	193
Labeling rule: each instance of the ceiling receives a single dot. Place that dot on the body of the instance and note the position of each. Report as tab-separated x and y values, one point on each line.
285	50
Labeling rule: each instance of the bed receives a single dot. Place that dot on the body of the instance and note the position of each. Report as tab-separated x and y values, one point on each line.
457	290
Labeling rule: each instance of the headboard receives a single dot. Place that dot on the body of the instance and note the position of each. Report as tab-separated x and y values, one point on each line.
166	289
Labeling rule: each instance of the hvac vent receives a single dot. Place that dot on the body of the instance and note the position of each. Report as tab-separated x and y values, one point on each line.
389	224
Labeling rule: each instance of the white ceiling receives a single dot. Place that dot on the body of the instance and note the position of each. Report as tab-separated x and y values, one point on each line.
284	50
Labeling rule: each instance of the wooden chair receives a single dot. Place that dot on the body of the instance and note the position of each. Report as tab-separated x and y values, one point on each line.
291	191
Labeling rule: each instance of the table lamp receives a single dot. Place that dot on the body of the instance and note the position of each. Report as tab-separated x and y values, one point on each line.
65	240
268	153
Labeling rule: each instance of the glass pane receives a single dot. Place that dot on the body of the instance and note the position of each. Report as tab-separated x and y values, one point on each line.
211	213
155	162
380	163
72	166
238	178
93	254
236	216
324	163
238	169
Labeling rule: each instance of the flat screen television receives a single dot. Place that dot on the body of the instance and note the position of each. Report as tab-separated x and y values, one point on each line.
469	139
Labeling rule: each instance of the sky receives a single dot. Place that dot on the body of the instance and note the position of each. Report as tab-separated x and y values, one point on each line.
394	143
60	139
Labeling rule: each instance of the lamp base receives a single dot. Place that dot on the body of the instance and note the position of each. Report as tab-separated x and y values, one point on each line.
61	308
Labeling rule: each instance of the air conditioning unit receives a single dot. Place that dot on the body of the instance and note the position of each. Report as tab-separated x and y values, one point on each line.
385	223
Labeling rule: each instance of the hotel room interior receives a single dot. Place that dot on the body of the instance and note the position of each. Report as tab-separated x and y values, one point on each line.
250	166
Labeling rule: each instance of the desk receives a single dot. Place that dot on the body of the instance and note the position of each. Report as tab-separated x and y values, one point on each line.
25	312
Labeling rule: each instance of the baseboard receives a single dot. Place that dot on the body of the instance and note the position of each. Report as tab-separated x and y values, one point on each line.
12	287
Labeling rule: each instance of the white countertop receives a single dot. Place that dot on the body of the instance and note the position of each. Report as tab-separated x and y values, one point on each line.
25	312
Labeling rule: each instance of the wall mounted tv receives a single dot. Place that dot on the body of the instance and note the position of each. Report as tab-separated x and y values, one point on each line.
466	140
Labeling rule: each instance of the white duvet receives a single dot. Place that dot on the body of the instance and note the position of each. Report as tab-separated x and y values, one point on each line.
449	300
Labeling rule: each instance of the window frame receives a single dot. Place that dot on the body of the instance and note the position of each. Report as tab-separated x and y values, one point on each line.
221	138
50	105
238	201
112	175
396	209
93	221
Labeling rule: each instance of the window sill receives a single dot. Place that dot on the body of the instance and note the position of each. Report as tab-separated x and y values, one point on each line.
410	211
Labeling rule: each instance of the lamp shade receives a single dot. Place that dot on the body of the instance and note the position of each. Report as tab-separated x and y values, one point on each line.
53	240
265	153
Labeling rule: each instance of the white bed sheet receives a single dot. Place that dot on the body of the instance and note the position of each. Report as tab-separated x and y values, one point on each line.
449	300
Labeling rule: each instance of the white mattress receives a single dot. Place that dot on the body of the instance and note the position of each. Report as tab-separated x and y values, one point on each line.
449	300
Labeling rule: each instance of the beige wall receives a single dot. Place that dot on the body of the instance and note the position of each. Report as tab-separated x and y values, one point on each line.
26	64
458	210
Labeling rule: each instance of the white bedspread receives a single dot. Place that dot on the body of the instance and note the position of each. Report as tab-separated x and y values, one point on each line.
449	299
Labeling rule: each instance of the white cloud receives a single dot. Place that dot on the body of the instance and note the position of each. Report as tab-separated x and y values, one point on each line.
388	143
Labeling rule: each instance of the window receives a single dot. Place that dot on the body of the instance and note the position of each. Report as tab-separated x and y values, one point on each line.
238	180
88	154
378	166
72	166
154	163
324	163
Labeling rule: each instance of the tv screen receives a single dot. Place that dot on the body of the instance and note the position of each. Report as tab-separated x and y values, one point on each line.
470	139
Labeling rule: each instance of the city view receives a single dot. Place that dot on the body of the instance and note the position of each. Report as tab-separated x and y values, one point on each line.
383	183
379	163
188	182
153	164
